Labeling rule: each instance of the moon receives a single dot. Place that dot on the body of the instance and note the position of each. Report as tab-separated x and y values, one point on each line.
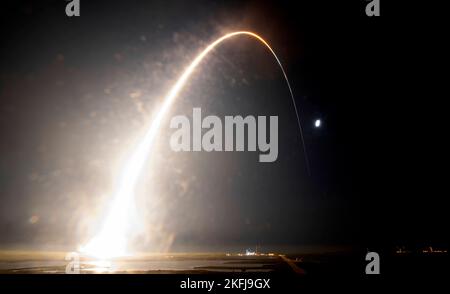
317	123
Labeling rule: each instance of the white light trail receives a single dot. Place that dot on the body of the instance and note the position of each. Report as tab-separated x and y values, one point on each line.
112	238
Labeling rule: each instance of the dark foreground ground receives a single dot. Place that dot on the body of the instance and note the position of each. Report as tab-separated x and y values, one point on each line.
289	273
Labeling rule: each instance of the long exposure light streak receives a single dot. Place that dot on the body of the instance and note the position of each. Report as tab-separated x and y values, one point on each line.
112	239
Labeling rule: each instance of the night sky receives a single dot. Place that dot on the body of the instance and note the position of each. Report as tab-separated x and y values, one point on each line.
75	93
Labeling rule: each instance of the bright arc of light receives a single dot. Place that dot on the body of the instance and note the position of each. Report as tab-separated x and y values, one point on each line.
112	239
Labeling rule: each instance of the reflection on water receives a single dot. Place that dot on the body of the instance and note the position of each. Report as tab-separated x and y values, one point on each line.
100	266
136	265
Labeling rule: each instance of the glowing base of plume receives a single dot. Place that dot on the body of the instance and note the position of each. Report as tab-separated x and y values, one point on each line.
107	244
112	239
105	247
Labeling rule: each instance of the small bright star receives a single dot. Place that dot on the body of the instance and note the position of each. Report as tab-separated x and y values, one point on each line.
317	123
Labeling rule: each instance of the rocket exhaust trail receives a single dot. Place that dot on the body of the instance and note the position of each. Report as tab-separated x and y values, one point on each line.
112	239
